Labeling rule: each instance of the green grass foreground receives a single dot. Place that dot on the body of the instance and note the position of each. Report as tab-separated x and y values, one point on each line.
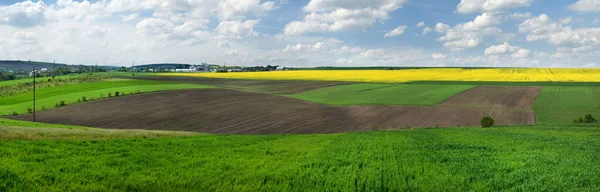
383	94
529	158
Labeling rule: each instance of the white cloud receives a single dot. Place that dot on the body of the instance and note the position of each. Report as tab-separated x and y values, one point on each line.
438	56
343	62
26	38
503	49
441	28
78	10
521	53
566	20
426	30
238	27
470	34
328	5
397	31
130	17
341	15
98	32
421	24
585	6
590	65
319	46
463	44
542	28
520	16
153	26
479	6
23	14
238	9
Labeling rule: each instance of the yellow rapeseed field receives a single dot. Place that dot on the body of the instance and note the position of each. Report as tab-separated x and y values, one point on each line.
433	74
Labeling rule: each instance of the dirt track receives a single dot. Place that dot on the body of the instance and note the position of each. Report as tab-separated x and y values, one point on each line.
495	96
261	86
230	111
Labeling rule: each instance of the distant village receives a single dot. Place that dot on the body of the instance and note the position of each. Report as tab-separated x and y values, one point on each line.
205	67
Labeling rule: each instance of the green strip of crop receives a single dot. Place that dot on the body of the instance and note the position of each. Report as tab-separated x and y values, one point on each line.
49	102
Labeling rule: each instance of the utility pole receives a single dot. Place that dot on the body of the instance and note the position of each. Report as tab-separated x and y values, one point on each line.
34	74
133	68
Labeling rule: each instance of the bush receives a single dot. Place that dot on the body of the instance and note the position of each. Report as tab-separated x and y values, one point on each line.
116	93
56	105
137	92
109	94
62	103
15	113
84	98
586	119
487	121
29	110
78	100
44	108
589	119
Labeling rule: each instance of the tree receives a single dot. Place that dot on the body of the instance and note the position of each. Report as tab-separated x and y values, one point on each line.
487	121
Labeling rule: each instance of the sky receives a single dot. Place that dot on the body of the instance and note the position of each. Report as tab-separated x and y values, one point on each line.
304	33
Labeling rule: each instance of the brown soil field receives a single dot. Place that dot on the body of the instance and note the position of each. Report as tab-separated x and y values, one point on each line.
260	86
495	96
226	111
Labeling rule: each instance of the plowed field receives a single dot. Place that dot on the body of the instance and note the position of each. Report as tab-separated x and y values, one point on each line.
230	111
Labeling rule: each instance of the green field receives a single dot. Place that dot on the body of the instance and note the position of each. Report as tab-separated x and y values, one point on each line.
48	97
562	104
453	159
383	94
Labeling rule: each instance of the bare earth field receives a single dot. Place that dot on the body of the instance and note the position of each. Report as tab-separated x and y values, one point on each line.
495	96
261	86
228	111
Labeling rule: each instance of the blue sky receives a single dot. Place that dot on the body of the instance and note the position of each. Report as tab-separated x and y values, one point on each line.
508	33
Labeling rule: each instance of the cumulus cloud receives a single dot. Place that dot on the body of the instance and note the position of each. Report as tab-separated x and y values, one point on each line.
438	56
25	38
238	27
98	32
24	14
441	28
421	24
543	28
232	9
463	44
503	49
397	31
340	15
585	6
480	6
470	34
426	30
130	17
520	16
319	46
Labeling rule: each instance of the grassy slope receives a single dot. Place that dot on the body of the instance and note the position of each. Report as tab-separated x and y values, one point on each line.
47	97
383	94
25	130
453	159
562	104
